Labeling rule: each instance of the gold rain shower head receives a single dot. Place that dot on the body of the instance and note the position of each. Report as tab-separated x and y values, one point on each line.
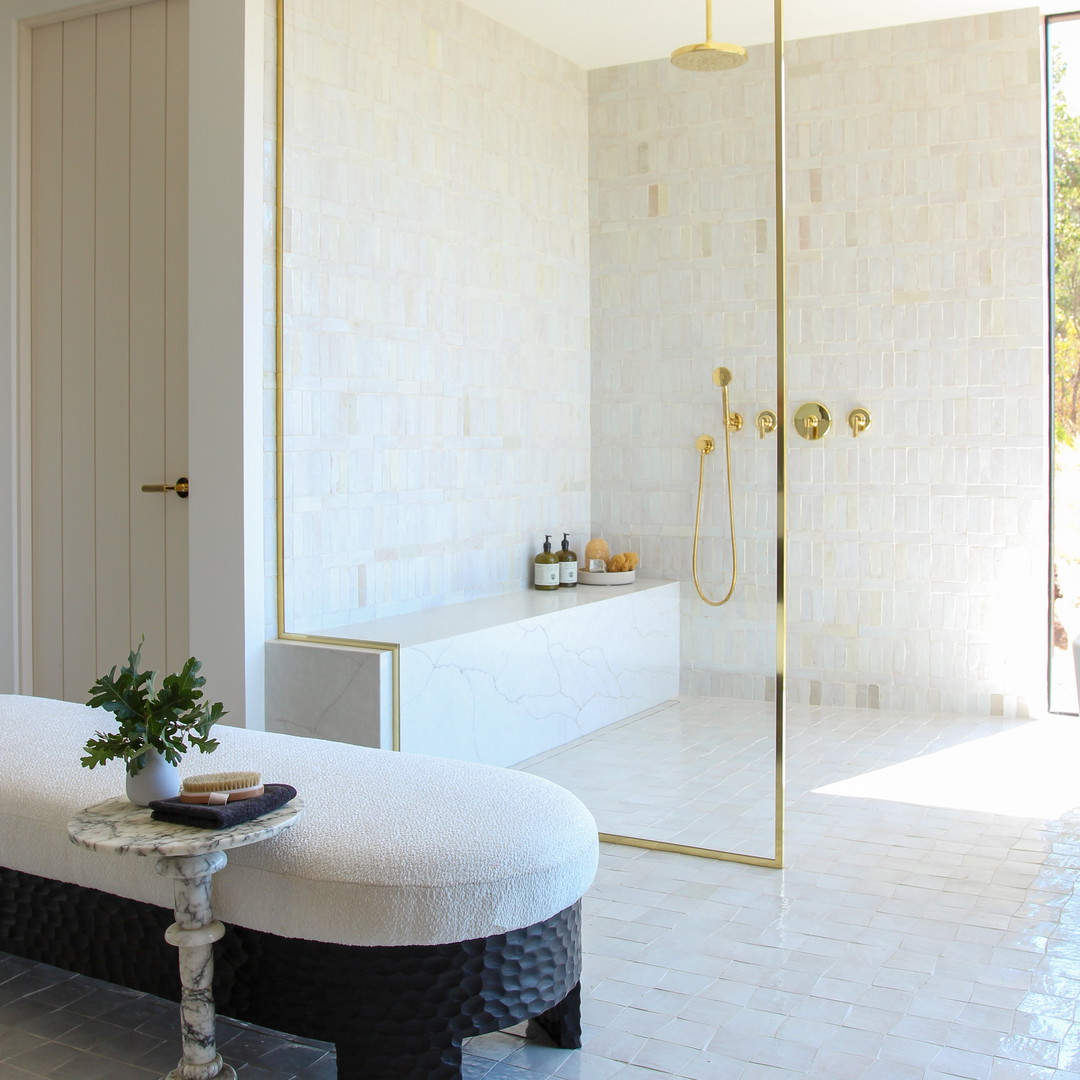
709	55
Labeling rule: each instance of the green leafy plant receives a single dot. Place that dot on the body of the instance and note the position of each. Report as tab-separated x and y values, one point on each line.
171	720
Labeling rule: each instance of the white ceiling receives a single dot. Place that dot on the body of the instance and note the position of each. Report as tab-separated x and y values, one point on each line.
601	33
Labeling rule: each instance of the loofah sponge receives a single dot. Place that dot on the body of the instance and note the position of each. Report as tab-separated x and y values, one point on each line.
628	560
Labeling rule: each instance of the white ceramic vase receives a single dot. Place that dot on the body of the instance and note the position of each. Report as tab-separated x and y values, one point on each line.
157	779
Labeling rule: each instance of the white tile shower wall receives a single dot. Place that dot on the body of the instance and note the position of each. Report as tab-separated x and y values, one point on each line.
917	554
683	281
436	300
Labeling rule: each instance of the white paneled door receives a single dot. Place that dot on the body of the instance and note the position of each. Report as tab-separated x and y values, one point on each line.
108	312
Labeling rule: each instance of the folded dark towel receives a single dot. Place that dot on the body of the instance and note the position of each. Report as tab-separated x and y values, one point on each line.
204	816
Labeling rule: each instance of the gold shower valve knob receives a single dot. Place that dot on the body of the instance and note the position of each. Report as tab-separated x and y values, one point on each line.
812	421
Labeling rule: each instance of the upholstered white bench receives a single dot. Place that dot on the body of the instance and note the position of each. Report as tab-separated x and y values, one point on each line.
418	901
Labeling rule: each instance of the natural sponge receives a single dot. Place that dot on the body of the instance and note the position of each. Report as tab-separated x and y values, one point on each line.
618	564
596	548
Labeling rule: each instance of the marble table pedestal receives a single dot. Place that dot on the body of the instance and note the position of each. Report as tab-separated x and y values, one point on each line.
194	934
191	857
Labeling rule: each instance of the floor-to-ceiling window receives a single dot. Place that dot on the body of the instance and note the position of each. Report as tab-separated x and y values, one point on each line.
1063	71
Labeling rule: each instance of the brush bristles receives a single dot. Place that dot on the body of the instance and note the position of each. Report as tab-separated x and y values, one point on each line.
222	781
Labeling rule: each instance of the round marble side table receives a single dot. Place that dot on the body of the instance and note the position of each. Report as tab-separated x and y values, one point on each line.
191	857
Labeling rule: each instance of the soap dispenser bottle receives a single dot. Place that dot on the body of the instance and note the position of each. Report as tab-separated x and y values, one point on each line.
567	564
546	568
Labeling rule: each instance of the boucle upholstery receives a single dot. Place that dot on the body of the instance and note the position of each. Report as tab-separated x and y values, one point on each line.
393	849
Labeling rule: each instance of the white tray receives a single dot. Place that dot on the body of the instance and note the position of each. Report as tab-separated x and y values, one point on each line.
588	577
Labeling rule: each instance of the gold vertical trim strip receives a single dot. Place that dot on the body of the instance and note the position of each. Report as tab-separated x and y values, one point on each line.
780	135
395	706
279	315
279	403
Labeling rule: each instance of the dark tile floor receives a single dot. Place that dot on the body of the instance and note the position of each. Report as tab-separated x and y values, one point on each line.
65	1027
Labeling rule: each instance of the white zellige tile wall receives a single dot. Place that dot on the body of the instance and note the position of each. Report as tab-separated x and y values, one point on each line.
437	300
917	553
918	277
438	257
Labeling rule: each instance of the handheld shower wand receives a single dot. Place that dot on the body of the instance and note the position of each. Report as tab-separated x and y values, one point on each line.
705	446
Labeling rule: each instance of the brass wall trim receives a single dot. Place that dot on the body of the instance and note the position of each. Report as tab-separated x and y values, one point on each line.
374	646
279	405
279	314
813	421
858	420
705	444
689	849
766	423
780	688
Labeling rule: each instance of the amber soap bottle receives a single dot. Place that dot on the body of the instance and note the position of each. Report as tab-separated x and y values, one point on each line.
546	568
567	565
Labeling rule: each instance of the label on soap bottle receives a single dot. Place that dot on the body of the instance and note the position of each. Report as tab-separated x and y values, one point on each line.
546	574
568	572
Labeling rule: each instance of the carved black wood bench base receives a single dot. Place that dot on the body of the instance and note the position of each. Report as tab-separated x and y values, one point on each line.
394	1012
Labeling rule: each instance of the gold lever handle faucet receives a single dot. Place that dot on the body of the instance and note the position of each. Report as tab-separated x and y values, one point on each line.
858	420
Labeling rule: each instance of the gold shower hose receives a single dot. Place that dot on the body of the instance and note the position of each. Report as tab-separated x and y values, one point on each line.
706	446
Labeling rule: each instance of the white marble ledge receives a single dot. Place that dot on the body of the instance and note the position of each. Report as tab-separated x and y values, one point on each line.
121	827
435	624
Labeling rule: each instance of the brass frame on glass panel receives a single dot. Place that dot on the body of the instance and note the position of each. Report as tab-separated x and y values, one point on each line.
279	403
777	861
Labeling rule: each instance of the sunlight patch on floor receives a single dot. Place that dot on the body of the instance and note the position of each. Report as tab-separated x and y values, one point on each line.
1031	771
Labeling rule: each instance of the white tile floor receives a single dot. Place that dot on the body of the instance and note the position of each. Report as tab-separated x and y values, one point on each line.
926	926
696	771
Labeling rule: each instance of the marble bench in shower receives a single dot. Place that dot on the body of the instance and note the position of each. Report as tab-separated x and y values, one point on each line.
495	680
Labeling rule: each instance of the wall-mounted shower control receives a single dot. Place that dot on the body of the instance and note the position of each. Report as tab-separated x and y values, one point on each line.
812	421
766	423
858	420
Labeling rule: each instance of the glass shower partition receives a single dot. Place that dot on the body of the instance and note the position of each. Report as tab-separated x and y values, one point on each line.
418	332
683	180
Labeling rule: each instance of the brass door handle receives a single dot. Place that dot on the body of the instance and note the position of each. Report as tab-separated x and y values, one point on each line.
181	487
